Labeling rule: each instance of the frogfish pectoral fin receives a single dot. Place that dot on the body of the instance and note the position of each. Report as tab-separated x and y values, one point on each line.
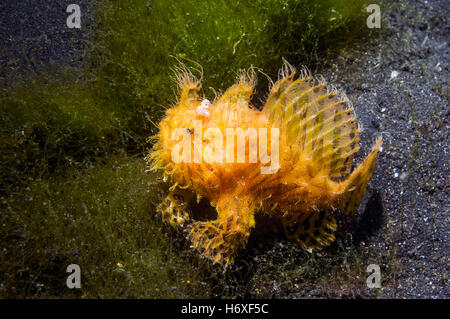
220	240
174	208
313	232
213	243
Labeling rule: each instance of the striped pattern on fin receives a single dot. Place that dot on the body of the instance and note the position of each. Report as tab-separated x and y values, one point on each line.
355	185
313	231
315	118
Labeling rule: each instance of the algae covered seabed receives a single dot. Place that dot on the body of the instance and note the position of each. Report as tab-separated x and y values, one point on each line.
74	187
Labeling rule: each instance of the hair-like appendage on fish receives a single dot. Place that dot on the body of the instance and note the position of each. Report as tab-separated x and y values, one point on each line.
313	181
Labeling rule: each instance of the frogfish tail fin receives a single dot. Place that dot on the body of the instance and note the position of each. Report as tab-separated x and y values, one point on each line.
355	184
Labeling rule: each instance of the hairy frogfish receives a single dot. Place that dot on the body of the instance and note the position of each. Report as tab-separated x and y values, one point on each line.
292	160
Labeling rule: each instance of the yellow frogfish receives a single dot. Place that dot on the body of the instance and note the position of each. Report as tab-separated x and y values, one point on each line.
292	159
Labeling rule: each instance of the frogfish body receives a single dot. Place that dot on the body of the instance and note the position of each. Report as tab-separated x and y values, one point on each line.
292	159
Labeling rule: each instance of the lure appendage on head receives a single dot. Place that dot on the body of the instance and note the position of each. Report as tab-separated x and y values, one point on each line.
317	138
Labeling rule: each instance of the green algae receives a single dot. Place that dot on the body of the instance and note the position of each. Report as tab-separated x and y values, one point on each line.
73	184
101	219
139	42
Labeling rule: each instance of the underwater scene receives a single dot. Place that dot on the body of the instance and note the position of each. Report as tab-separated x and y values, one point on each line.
265	149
